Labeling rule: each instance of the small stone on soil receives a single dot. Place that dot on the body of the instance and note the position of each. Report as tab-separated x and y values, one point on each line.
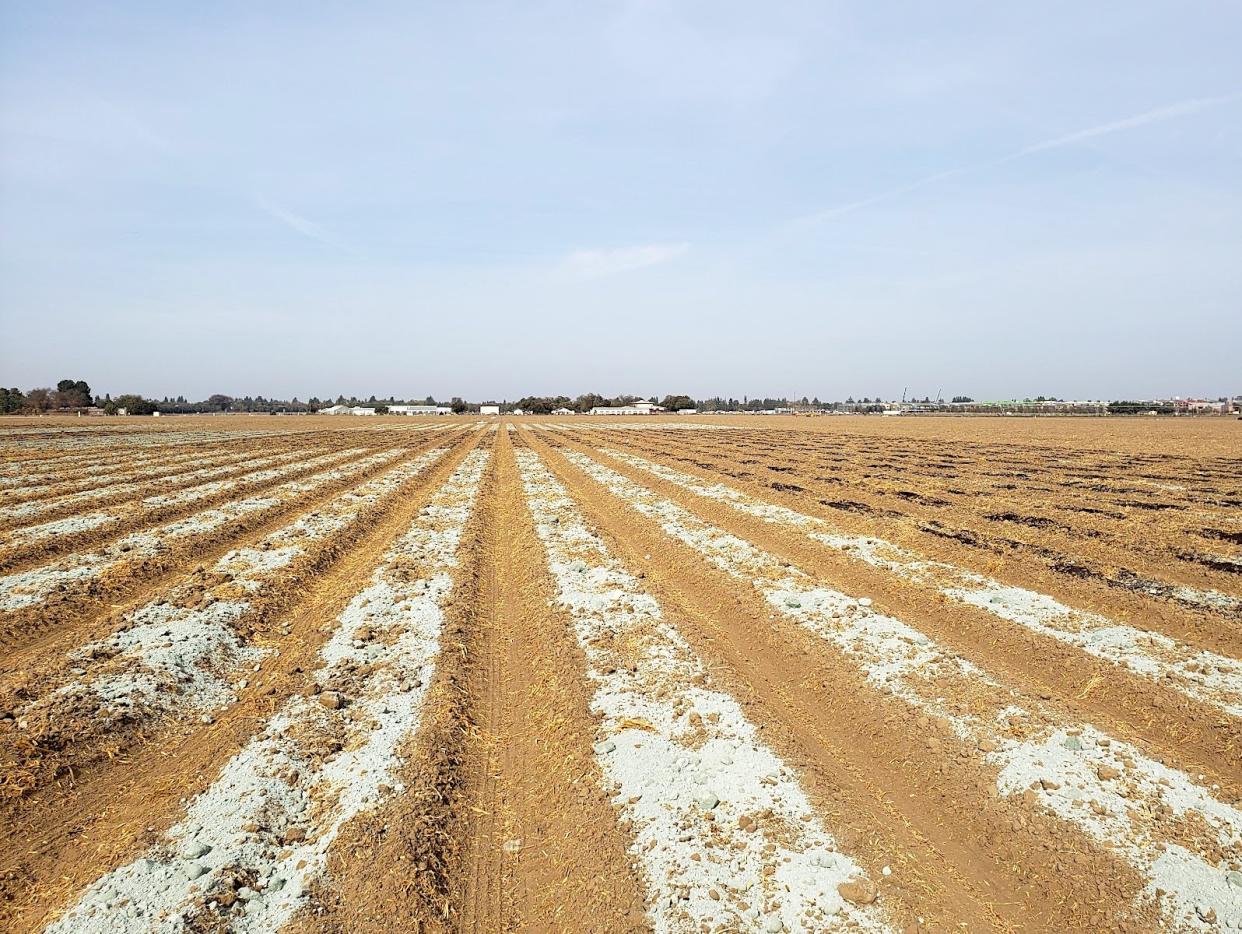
195	850
858	891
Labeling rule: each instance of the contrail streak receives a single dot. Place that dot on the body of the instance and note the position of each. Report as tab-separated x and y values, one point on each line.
302	225
1158	115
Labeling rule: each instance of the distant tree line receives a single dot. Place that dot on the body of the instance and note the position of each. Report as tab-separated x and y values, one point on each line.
72	396
1126	407
75	395
68	394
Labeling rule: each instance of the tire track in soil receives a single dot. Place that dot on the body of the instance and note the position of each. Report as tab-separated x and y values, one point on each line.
1194	736
904	793
483	905
76	618
543	851
74	830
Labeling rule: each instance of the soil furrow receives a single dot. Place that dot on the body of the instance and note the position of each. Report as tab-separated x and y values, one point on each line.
118	806
33	498
33	545
323	759
1202	739
955	848
722	829
544	852
1105	586
70	590
1174	837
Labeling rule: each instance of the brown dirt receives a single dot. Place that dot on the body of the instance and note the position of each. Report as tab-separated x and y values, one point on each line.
937	497
130	582
505	824
966	856
503	757
541	828
133	515
1191	736
110	807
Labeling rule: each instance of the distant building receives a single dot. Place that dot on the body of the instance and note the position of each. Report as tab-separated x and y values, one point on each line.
489	410
517	412
638	407
1202	406
420	410
687	411
564	412
346	410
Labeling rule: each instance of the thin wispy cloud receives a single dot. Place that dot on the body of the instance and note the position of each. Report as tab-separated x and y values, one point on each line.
136	128
1157	115
851	206
592	264
302	225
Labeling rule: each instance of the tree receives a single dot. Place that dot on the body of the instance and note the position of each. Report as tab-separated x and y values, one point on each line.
459	405
71	394
134	404
220	401
69	385
673	403
963	399
534	405
11	400
39	400
381	409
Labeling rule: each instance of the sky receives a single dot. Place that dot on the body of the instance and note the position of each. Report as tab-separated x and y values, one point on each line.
499	199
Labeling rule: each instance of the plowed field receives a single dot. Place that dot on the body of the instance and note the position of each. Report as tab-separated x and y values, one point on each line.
329	675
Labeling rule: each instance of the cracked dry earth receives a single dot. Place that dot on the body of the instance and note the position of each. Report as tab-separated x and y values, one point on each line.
332	675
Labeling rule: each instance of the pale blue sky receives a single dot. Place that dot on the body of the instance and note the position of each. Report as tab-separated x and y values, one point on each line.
497	199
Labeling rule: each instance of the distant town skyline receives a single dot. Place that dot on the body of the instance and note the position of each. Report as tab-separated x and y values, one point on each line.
794	199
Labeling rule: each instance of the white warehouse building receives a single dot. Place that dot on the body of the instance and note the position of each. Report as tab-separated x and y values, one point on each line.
346	410
637	407
420	410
